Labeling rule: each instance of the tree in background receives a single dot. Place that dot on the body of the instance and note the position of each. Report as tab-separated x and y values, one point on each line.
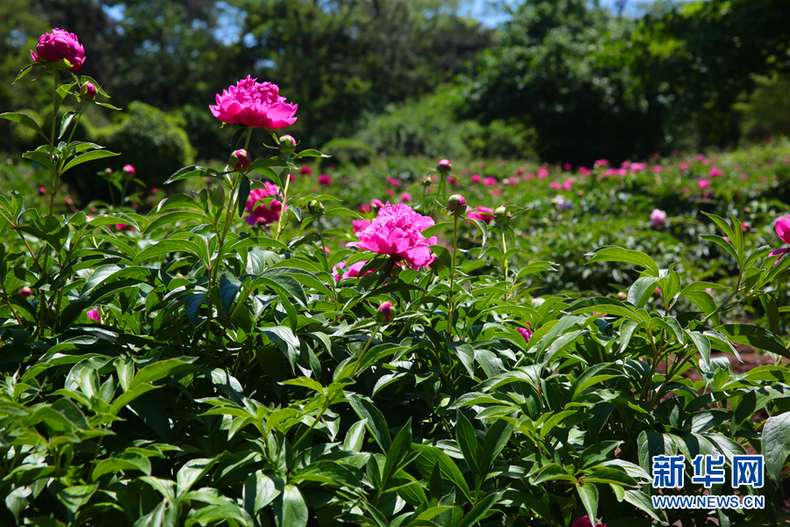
558	65
700	57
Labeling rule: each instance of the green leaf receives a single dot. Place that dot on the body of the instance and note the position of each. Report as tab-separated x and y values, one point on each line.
162	369
618	254
470	447
285	339
432	456
73	498
642	289
480	509
374	420
259	490
755	336
191	472
310	153
776	444
89	156
401	445
65	122
244	194
24	120
290	509
192	171
588	493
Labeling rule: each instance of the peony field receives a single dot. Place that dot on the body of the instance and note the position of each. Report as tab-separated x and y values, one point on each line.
238	316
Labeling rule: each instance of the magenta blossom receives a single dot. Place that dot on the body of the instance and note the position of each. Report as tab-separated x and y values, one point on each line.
262	214
397	231
657	217
490	181
715	172
526	333
476	178
386	312
360	225
703	184
325	180
93	314
59	45
783	231
352	272
584	521
405	197
305	171
483	213
254	104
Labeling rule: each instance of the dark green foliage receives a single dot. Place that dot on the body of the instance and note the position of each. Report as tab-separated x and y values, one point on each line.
149	139
557	66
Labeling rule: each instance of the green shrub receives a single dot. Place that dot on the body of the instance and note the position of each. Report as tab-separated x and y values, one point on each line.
147	138
344	150
767	109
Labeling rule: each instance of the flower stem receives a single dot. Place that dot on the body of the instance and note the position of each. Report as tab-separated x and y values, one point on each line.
504	253
323	244
214	271
451	315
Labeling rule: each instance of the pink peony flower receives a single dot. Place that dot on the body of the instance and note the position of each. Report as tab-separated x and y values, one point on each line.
263	215
683	166
556	185
543	173
490	181
386	312
703	184
325	180
93	314
360	225
483	213
584	521
715	172
253	104
393	181
364	208
782	228
526	333
405	197
567	166
601	163
657	217
352	272
658	169
59	45
305	171
451	180
584	171
568	185
476	178
389	192
376	204
396	231
700	157
88	91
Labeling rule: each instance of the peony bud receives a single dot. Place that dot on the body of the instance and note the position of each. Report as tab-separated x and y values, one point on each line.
456	204
26	291
287	144
316	208
128	170
88	91
500	211
443	165
386	312
240	159
42	191
426	181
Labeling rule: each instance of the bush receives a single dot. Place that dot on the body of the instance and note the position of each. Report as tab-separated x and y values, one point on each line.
344	150
429	127
767	109
154	142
